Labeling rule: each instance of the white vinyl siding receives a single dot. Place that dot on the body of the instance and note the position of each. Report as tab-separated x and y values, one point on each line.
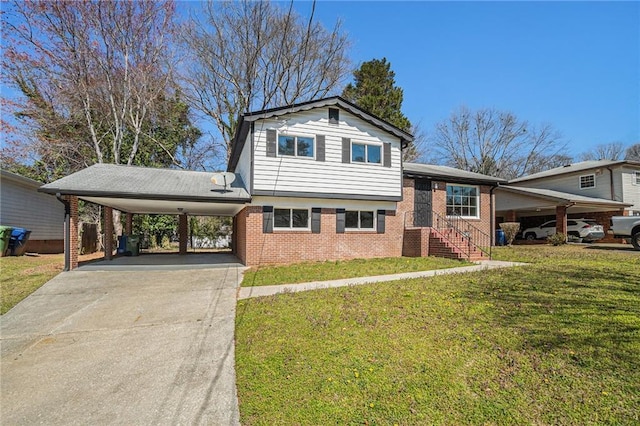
570	183
629	187
22	206
331	176
244	163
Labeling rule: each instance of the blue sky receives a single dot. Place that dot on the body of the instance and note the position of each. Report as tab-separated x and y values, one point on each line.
575	65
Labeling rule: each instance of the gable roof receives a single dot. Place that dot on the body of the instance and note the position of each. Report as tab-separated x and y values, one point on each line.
245	120
448	173
19	178
574	168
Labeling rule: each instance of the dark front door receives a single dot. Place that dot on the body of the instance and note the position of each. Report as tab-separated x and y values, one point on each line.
422	203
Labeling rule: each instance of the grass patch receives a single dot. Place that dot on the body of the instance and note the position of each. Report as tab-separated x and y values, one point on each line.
555	342
339	269
22	275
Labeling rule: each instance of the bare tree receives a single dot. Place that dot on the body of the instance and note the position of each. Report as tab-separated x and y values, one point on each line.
607	151
494	143
633	153
252	55
89	73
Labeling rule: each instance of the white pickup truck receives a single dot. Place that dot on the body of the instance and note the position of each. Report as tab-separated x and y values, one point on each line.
626	227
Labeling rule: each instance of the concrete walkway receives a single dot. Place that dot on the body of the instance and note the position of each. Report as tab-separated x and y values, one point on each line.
261	291
112	346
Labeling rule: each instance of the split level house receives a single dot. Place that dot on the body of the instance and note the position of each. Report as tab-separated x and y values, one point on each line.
320	180
590	189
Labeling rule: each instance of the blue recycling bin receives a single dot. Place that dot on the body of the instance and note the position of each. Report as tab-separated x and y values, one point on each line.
501	240
18	241
122	244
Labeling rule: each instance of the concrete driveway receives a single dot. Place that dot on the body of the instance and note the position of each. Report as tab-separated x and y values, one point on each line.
124	344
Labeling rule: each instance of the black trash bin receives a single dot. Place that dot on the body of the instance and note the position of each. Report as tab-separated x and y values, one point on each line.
18	241
133	245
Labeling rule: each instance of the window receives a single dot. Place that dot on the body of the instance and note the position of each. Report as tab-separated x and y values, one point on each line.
295	146
587	181
290	218
365	153
463	200
355	219
636	178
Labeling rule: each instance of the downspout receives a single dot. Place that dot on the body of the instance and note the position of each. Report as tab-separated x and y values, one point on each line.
67	232
492	223
611	186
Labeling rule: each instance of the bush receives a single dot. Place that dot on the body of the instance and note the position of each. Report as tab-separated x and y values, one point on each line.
557	239
510	231
166	242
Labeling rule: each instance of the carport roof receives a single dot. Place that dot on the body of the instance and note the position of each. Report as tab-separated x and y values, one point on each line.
148	190
564	197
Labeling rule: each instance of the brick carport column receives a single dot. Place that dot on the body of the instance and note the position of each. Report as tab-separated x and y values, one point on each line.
561	220
72	245
108	233
183	233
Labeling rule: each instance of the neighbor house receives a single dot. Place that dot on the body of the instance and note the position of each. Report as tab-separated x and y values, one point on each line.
589	189
22	206
320	180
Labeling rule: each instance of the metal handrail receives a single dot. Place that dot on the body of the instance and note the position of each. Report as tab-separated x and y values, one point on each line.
474	236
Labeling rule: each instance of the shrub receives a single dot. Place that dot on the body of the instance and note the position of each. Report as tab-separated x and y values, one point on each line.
557	239
510	231
166	242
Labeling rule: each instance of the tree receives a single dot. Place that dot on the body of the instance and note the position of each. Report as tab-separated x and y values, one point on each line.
495	143
250	55
609	151
633	153
374	90
91	75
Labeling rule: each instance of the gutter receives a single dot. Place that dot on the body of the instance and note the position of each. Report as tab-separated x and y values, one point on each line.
67	232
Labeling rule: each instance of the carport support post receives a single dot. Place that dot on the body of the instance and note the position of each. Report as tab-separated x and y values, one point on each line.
561	220
70	231
128	226
183	233
108	233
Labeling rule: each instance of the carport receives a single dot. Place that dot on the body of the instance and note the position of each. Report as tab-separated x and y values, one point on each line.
140	190
514	203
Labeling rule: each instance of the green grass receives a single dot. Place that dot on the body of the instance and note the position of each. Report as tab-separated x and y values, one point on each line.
555	342
333	270
22	275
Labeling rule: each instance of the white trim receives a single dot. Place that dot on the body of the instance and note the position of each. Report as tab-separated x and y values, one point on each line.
291	227
476	187
586	176
635	178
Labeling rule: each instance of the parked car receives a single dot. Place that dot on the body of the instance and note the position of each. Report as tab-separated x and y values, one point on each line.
627	227
586	230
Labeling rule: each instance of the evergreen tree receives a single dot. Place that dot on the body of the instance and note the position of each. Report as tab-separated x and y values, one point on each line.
375	91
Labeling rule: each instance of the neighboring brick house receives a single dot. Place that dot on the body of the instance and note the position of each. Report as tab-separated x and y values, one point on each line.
589	189
321	180
22	206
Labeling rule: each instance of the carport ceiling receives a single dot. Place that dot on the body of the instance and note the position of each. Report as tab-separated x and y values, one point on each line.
143	190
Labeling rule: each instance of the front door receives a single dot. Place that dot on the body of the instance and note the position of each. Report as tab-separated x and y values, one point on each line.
422	203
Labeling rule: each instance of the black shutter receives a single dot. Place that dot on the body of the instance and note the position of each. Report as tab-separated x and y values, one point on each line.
271	143
346	150
340	221
319	147
387	154
334	116
315	220
381	216
267	219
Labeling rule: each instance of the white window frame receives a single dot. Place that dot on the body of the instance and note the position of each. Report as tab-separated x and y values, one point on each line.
291	227
366	153
592	175
360	228
295	146
446	204
635	178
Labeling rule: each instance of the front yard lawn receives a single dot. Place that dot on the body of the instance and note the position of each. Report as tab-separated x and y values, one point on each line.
333	270
555	342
